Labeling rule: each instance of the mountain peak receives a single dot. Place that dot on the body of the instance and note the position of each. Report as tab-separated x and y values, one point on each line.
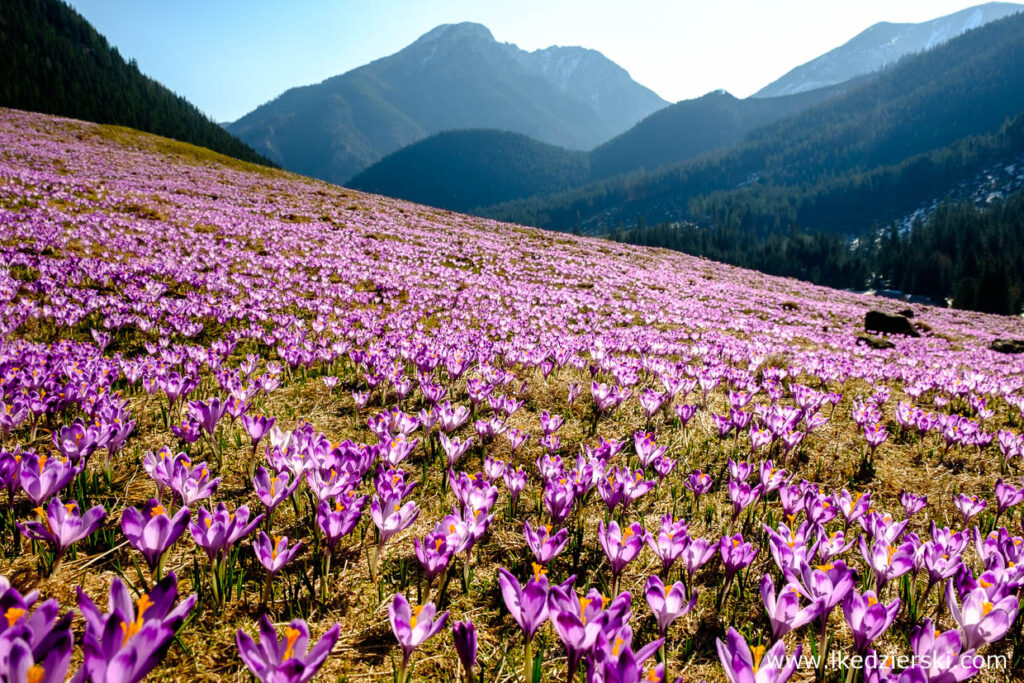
462	30
883	44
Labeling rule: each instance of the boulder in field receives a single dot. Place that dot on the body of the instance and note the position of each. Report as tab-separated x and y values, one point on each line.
1007	345
886	323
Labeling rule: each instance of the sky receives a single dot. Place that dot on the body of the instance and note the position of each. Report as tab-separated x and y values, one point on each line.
229	56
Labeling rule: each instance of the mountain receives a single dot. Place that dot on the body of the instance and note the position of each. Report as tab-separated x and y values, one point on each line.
457	76
468	170
53	61
870	155
462	170
690	128
883	44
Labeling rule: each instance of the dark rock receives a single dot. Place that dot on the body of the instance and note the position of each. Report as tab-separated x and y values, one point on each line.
790	306
1007	345
885	323
875	342
907	313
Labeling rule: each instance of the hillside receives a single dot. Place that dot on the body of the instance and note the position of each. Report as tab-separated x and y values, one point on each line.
287	336
469	170
690	128
565	96
868	156
462	170
883	44
53	61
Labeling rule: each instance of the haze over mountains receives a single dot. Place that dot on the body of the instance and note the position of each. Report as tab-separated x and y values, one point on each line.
455	76
883	44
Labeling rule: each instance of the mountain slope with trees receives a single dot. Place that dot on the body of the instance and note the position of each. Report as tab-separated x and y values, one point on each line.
53	61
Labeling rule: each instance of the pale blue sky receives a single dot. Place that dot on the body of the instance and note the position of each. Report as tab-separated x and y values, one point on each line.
229	56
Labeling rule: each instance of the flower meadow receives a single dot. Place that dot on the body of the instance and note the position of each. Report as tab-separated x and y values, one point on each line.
255	424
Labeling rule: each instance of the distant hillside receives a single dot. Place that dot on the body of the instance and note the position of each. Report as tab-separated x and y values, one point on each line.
461	170
53	61
457	76
883	44
467	170
690	128
867	156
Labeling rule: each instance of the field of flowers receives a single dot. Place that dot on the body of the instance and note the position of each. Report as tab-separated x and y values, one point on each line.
251	422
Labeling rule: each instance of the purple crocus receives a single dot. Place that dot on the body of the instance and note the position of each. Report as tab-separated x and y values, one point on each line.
192	484
667	605
558	498
868	618
745	664
412	627
42	476
285	660
257	427
784	611
338	520
129	640
464	636
620	545
969	506
545	545
527	604
273	490
274	554
152	532
208	413
736	554
941	652
670	540
215	532
980	619
62	526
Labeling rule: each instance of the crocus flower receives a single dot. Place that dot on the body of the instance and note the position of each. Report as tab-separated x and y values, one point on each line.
412	627
981	620
1007	495
160	466
515	480
941	652
745	664
696	554
208	413
454	448
620	545
273	490
543	544
151	531
215	532
669	541
434	553
736	554
868	618
558	498
527	604
129	640
669	605
42	476
699	483
192	484
257	427
338	520
285	660
274	555
464	636
887	561
391	516
62	526
784	612
969	506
